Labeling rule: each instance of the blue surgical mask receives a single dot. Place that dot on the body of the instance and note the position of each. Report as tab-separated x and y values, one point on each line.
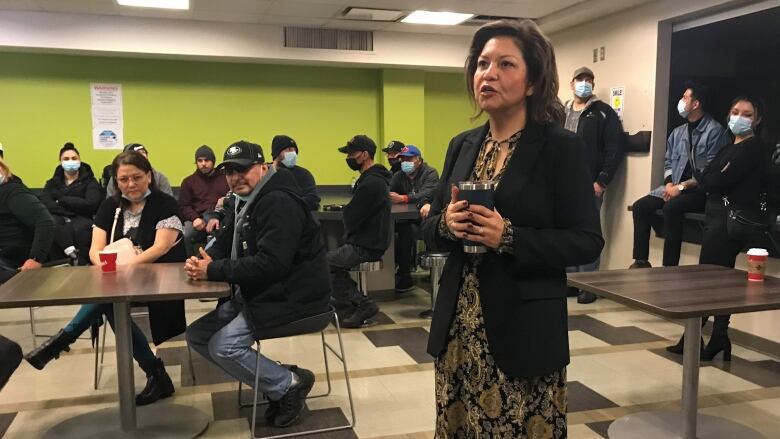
407	167
290	159
681	108
71	165
143	197
583	89
740	126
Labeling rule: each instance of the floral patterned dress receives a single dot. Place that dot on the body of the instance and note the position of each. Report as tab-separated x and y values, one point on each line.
474	398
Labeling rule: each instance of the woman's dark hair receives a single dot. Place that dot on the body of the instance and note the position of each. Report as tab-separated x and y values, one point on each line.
69	147
758	109
135	159
543	106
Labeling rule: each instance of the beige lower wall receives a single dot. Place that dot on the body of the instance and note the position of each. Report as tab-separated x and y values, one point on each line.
630	39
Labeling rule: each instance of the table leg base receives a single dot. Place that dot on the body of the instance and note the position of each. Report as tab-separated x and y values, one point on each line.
669	424
155	421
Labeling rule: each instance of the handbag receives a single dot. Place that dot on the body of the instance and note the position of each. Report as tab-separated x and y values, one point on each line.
747	225
124	247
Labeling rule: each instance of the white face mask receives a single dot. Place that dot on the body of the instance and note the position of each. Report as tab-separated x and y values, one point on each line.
2	178
681	109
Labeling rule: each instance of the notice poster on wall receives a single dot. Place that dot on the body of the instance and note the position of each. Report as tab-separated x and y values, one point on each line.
618	100
107	116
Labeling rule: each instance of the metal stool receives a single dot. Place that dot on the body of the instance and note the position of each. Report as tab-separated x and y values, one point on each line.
361	269
435	263
318	323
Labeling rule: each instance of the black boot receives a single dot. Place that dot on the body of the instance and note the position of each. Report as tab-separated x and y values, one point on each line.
719	340
50	349
678	348
158	384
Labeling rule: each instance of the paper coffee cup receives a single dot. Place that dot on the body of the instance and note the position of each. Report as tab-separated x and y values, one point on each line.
757	258
108	260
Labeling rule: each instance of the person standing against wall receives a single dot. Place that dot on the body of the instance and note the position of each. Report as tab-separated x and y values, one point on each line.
599	126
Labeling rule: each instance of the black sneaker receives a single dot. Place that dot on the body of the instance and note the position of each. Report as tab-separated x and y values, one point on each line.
343	311
586	297
292	403
403	283
572	291
639	263
363	312
273	406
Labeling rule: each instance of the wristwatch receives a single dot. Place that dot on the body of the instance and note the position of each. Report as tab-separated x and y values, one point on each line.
681	187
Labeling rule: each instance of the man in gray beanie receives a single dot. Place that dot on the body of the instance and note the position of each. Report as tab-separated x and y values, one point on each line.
199	193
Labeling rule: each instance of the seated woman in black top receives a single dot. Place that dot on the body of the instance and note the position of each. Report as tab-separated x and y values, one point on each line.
73	196
737	177
151	219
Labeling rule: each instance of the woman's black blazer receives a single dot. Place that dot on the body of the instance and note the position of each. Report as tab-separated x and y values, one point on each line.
547	193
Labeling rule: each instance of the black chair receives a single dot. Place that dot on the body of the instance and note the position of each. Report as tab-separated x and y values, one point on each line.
309	325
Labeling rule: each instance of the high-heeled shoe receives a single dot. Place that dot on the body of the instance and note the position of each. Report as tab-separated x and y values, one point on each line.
680	346
716	345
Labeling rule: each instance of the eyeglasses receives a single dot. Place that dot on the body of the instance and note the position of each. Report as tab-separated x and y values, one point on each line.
230	170
136	179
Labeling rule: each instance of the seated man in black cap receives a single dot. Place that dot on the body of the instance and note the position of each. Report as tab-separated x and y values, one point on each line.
199	193
366	231
163	185
414	185
284	151
272	252
392	151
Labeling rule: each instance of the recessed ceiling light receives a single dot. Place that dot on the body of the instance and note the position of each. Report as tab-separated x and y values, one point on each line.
161	4
370	14
441	18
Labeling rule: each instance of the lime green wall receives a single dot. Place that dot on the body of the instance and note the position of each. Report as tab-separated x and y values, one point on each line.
174	106
447	113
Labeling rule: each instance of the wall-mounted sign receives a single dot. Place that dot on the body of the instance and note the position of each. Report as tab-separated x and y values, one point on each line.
618	100
107	116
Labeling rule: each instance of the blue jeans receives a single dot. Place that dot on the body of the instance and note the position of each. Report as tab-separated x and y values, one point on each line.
592	266
224	337
90	314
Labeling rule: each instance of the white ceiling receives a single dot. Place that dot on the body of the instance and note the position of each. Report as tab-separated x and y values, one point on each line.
326	13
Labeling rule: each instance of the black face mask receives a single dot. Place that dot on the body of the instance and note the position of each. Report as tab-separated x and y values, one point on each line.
353	164
395	165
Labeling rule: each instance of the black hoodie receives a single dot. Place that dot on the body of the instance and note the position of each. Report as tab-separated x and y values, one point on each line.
281	266
81	198
367	216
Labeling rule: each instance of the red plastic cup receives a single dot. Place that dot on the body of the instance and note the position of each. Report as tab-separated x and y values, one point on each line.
108	260
757	258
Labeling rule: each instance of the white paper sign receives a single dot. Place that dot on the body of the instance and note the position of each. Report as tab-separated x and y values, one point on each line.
107	116
618	100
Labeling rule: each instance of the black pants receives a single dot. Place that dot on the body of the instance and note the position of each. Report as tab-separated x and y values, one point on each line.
341	259
672	224
73	231
10	357
718	248
405	239
8	269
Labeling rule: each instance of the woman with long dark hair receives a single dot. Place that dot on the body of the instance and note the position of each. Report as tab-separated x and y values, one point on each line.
151	220
499	329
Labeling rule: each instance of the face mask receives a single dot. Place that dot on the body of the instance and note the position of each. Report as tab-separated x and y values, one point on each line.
2	178
740	126
583	89
290	159
681	108
143	197
241	197
353	164
71	165
407	167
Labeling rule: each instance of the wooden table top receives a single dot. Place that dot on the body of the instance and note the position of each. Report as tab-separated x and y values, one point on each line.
81	285
683	292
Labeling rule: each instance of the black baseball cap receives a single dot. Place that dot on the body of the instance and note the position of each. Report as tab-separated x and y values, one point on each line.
242	153
361	142
394	146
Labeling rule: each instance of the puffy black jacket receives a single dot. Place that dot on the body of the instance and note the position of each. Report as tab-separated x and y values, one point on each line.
367	215
281	266
81	198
